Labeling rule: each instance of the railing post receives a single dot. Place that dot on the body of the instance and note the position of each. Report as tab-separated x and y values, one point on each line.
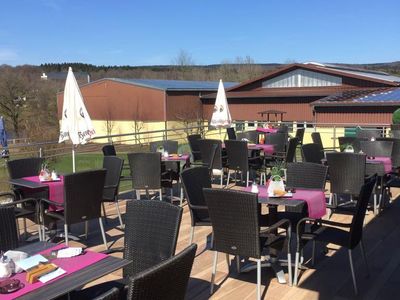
40	152
334	136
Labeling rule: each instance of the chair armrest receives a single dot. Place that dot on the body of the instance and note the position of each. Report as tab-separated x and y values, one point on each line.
24	201
114	250
111	186
12	195
283	223
198	207
50	202
332	223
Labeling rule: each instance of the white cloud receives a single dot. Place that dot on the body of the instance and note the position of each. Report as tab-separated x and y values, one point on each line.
7	55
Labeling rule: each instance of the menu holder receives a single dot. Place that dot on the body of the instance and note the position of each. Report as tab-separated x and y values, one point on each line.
33	274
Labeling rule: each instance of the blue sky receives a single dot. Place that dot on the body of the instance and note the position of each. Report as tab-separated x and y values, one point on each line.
149	32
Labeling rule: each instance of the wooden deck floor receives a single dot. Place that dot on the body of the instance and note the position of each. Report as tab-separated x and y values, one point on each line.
329	279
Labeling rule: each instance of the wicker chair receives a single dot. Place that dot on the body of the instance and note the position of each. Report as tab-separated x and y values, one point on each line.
395	150
169	169
239	161
146	173
151	234
231	133
83	192
168	280
169	146
377	148
331	232
312	153
349	140
304	175
194	180
109	150
26	167
251	136
194	146
368	133
114	166
279	140
8	228
212	157
346	174
300	134
235	221
316	138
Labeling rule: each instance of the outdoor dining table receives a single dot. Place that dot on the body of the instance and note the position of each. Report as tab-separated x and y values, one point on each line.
267	130
177	158
268	149
80	270
315	199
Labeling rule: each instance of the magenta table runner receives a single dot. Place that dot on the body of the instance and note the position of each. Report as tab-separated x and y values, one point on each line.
56	190
386	161
266	148
315	200
267	130
183	157
70	265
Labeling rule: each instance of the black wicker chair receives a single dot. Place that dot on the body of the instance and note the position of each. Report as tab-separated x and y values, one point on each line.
169	146
279	140
194	180
83	192
151	234
168	280
348	235
346	174
316	138
211	155
377	148
235	220
395	150
231	133
345	141
300	134
114	166
312	153
109	150
8	228
306	175
368	133
194	146
26	167
239	161
146	173
251	136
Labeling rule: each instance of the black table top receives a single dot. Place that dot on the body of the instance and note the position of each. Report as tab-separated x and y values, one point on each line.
71	281
27	183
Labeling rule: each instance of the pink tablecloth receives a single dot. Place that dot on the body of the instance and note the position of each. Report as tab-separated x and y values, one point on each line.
266	148
183	157
315	200
70	265
386	161
56	190
267	130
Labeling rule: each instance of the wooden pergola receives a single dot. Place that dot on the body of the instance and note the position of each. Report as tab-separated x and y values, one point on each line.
272	112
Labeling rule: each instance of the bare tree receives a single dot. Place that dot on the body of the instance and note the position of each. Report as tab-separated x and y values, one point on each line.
109	121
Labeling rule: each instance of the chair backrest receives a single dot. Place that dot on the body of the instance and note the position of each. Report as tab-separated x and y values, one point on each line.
251	136
377	148
24	167
360	211
145	170
234	218
109	150
316	139
194	145
194	180
83	193
114	166
283	128
279	140
151	233
344	141
154	146
291	150
237	154
300	134
8	228
306	175
346	172
312	153
368	133
395	150
207	153
231	133
168	280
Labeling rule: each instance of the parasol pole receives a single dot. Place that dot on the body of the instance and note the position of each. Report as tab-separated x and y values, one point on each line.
73	158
